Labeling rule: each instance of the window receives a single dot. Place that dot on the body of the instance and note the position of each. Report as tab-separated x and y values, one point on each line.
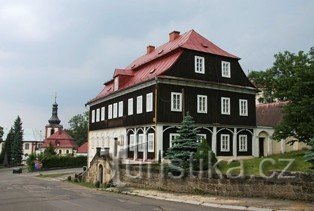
176	101
93	116
120	108
97	114
26	147
149	102
199	64
225	69
141	142
200	137
115	110
224	143
225	105
116	84
172	137
130	106
60	151
150	140
201	104
67	151
243	107
139	105
102	114
242	143
110	111
131	146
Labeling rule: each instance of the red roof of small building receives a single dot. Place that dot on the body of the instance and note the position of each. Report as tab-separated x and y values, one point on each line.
83	148
162	58
60	139
269	114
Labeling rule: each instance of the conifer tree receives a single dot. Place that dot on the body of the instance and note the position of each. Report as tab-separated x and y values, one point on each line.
7	148
17	144
309	156
185	143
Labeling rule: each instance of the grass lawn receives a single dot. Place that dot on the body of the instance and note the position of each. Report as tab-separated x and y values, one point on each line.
251	166
53	175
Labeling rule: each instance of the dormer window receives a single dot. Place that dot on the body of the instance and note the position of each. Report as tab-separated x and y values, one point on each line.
225	69
116	83
199	64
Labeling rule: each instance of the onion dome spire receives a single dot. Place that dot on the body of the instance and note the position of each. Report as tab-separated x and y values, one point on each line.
54	120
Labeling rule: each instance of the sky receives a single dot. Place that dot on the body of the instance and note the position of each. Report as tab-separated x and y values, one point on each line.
71	47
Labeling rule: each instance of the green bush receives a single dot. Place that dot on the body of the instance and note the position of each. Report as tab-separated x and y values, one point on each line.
69	178
97	184
204	153
56	161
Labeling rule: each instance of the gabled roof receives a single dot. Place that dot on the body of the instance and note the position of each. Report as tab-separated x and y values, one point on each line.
162	58
269	114
83	148
60	139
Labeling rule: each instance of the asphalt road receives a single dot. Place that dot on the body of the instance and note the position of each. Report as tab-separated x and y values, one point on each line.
27	192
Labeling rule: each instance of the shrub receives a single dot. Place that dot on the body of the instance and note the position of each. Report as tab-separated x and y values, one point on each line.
204	153
309	156
69	178
76	180
97	184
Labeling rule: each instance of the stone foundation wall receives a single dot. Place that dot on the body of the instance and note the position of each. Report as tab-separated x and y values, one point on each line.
299	188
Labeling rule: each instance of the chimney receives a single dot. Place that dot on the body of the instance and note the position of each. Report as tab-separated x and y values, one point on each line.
150	49
174	35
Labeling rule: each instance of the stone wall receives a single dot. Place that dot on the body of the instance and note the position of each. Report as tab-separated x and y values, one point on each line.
301	187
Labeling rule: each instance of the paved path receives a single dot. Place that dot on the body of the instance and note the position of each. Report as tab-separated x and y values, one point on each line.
26	192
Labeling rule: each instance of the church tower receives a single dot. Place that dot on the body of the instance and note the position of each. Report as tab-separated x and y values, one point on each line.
54	121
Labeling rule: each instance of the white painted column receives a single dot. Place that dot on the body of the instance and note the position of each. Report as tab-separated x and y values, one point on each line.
135	146
234	142
283	146
159	141
255	144
145	145
214	140
270	146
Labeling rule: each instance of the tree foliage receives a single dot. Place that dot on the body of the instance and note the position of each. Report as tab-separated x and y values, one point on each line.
7	148
309	156
185	143
291	79
17	144
1	133
79	128
204	155
50	150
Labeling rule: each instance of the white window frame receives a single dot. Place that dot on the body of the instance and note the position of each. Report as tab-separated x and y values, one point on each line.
225	105
120	109
225	69
93	116
149	102
200	136
103	113
130	106
131	142
151	142
97	114
139	104
116	84
140	142
115	110
202	108
199	68
225	147
176	106
110	111
172	137
242	143
243	110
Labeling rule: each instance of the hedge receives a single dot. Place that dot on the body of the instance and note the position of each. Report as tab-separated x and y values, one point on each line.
57	161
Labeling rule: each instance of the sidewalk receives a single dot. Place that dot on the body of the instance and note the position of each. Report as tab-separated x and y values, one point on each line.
234	203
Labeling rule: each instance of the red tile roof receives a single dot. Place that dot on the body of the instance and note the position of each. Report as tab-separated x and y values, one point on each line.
153	64
269	114
83	148
60	139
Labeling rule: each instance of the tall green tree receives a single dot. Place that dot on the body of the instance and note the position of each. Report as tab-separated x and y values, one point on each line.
7	148
1	133
79	128
291	79
185	143
309	156
17	144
